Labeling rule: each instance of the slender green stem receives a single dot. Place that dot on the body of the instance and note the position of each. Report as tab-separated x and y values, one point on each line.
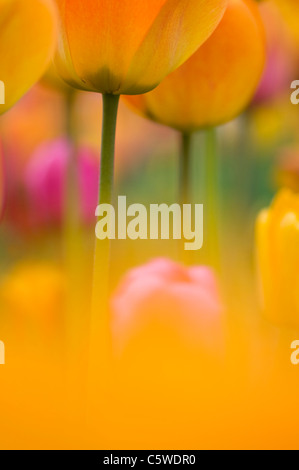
212	201
110	110
71	219
73	243
74	322
72	198
100	330
185	186
185	168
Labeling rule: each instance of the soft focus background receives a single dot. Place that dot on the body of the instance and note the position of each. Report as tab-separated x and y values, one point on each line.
159	394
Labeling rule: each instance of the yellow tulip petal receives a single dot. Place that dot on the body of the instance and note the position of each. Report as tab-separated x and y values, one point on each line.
277	238
218	81
27	41
185	26
263	259
287	270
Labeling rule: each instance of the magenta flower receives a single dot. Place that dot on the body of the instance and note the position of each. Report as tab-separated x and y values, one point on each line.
46	180
276	78
166	293
280	69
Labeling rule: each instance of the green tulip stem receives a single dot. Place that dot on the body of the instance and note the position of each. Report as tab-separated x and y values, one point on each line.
185	188
72	218
185	168
73	241
100	328
212	200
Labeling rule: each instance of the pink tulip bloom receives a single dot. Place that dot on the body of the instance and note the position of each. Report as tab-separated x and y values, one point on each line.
165	293
46	181
276	78
280	65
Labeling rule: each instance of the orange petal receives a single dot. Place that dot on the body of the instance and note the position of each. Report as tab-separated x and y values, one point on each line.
218	81
129	46
185	27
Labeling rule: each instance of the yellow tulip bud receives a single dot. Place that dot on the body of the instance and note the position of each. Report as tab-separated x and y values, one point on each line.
277	234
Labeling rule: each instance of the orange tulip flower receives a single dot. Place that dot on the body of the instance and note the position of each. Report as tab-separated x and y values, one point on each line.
211	88
218	81
27	42
117	47
129	46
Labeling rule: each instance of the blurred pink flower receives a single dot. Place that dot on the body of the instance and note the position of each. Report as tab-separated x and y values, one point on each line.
45	182
162	292
280	65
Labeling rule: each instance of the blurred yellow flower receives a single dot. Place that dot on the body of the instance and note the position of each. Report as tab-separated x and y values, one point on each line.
27	42
34	291
277	233
290	12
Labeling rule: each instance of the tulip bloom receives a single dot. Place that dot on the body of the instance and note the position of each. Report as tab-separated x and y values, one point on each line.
46	180
27	42
211	88
280	66
51	79
165	293
129	46
278	259
218	81
124	47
